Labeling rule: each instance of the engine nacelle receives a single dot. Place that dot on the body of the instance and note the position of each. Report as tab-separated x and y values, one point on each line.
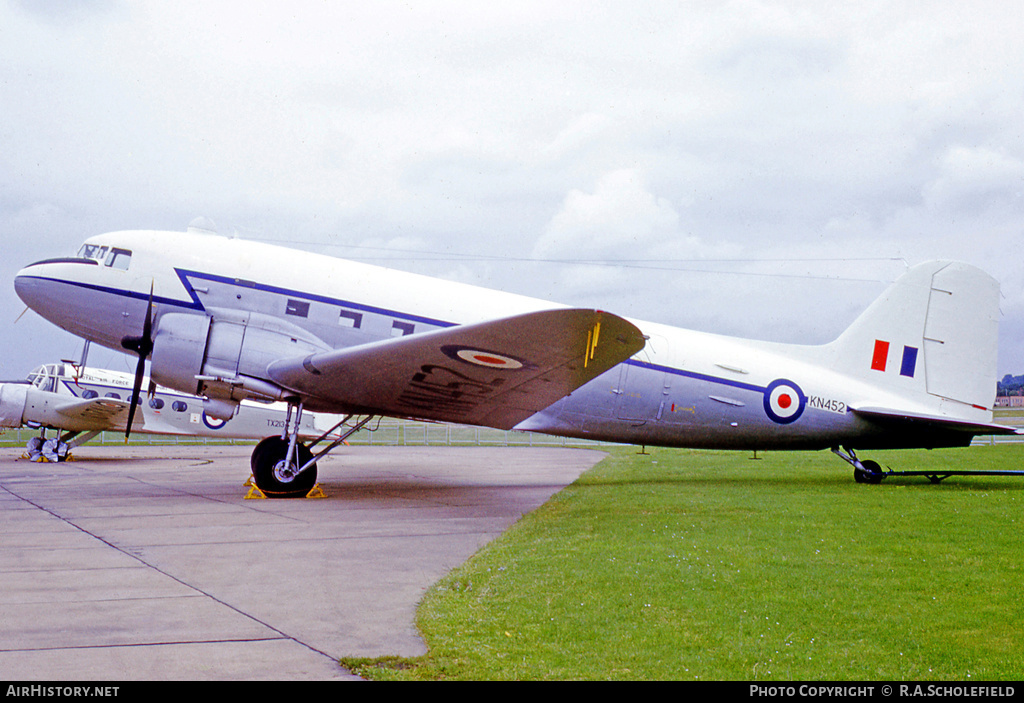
12	403
179	350
225	356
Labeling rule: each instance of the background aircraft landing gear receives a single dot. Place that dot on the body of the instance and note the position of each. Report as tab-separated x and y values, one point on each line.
275	475
57	448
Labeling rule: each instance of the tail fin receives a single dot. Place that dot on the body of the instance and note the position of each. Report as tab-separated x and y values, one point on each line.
933	332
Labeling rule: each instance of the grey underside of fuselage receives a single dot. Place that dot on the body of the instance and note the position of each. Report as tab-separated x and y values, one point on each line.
637	405
659	408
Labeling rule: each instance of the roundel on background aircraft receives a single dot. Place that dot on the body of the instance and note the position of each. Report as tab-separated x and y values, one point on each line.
784	402
212	422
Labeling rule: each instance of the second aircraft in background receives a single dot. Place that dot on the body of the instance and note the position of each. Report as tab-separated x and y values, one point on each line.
81	402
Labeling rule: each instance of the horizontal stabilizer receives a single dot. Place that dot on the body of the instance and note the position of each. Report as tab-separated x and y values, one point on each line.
919	420
495	373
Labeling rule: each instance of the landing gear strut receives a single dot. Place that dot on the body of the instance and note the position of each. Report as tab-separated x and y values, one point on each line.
284	467
863	471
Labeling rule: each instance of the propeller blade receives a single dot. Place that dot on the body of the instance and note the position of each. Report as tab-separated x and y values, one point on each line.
140	371
142	346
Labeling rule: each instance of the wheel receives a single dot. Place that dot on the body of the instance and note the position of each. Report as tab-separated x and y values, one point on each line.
871	473
267	462
35	448
54	450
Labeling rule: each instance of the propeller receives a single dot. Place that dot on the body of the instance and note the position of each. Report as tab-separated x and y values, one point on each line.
142	346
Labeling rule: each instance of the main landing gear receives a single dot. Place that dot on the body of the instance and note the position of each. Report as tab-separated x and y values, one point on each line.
863	471
284	467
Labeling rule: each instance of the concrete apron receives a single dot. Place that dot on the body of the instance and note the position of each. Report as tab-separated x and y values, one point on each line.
149	563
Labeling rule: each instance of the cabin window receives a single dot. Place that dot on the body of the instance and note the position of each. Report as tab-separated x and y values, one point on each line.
89	394
299	308
115	396
156	403
119	259
351	319
179	406
400	329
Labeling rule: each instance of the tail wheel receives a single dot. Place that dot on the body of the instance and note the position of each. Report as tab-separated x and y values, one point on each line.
871	473
273	477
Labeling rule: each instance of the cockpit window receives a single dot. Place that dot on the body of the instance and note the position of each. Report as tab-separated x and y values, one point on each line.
119	259
93	251
108	256
44	378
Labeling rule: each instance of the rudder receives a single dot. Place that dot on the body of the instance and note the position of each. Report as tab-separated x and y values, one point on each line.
934	331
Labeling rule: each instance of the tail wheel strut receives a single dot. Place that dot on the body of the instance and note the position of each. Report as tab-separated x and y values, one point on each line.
863	471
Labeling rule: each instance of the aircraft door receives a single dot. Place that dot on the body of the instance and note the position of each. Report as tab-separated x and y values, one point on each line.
630	396
643	384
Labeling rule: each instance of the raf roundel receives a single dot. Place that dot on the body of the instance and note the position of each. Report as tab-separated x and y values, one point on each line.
784	402
481	357
212	422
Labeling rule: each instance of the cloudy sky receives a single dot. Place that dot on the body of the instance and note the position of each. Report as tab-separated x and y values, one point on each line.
760	169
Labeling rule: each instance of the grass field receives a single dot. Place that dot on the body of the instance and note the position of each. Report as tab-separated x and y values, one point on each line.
684	564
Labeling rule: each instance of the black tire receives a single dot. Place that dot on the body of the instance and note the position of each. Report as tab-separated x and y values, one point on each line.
266	456
871	473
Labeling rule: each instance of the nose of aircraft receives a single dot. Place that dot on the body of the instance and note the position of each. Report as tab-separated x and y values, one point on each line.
57	291
35	285
26	287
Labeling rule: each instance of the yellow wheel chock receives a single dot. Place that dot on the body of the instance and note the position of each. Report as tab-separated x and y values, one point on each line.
255	493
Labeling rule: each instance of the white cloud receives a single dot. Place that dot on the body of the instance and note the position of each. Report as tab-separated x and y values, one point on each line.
620	216
975	178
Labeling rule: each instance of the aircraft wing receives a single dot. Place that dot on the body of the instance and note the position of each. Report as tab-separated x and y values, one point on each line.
93	414
494	373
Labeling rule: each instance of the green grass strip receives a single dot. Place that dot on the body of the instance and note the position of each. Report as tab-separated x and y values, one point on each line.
699	565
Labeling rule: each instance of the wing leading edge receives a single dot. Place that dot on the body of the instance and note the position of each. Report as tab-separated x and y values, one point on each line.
495	373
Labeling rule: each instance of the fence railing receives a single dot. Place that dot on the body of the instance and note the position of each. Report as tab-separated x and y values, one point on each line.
387	433
400	433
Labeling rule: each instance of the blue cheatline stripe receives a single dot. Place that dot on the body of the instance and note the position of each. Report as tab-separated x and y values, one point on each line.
696	376
120	292
909	364
195	304
184	275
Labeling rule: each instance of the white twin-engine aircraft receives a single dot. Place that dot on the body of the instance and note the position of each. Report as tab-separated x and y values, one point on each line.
232	320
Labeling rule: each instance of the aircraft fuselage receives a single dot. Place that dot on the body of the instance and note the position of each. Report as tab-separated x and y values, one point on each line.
686	388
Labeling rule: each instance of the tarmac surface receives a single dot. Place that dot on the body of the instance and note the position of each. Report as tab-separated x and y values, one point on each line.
150	563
